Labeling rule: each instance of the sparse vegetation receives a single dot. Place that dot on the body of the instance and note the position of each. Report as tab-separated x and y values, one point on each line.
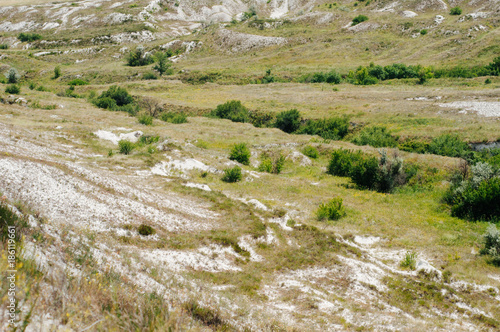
377	137
409	261
272	163
310	151
145	119
174	117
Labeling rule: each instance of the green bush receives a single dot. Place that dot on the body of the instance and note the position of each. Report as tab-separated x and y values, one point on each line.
491	240
487	81
358	19
4	46
145	119
310	151
341	162
57	72
106	102
368	172
12	76
413	145
375	136
119	95
363	77
148	139
162	63
423	32
333	128
333	210
232	110
241	153
262	119
125	147
173	117
78	81
456	11
13	89
288	121
232	175
139	57
331	77
449	145
272	163
475	195
28	37
409	261
145	230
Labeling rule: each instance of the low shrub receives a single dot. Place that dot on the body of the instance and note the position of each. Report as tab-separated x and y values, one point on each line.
145	230
125	147
333	128
363	77
173	117
375	136
409	261
150	76
28	37
148	139
145	119
116	99
310	151
341	162
262	119
106	103
423	32
333	210
288	121
413	145
232	175
491	240
78	81
241	153
13	89
358	19
232	110
4	46
272	163
449	145
456	11
331	77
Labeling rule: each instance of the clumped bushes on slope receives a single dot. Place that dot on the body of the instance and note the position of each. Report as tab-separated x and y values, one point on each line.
241	153
383	174
28	37
288	121
232	110
116	99
232	175
377	137
491	247
145	119
78	81
358	19
475	196
333	128
139	57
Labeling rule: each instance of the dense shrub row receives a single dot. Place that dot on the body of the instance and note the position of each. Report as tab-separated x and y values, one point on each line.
382	174
288	121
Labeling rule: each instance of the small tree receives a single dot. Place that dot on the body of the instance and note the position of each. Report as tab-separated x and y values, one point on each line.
241	153
12	76
57	72
162	63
